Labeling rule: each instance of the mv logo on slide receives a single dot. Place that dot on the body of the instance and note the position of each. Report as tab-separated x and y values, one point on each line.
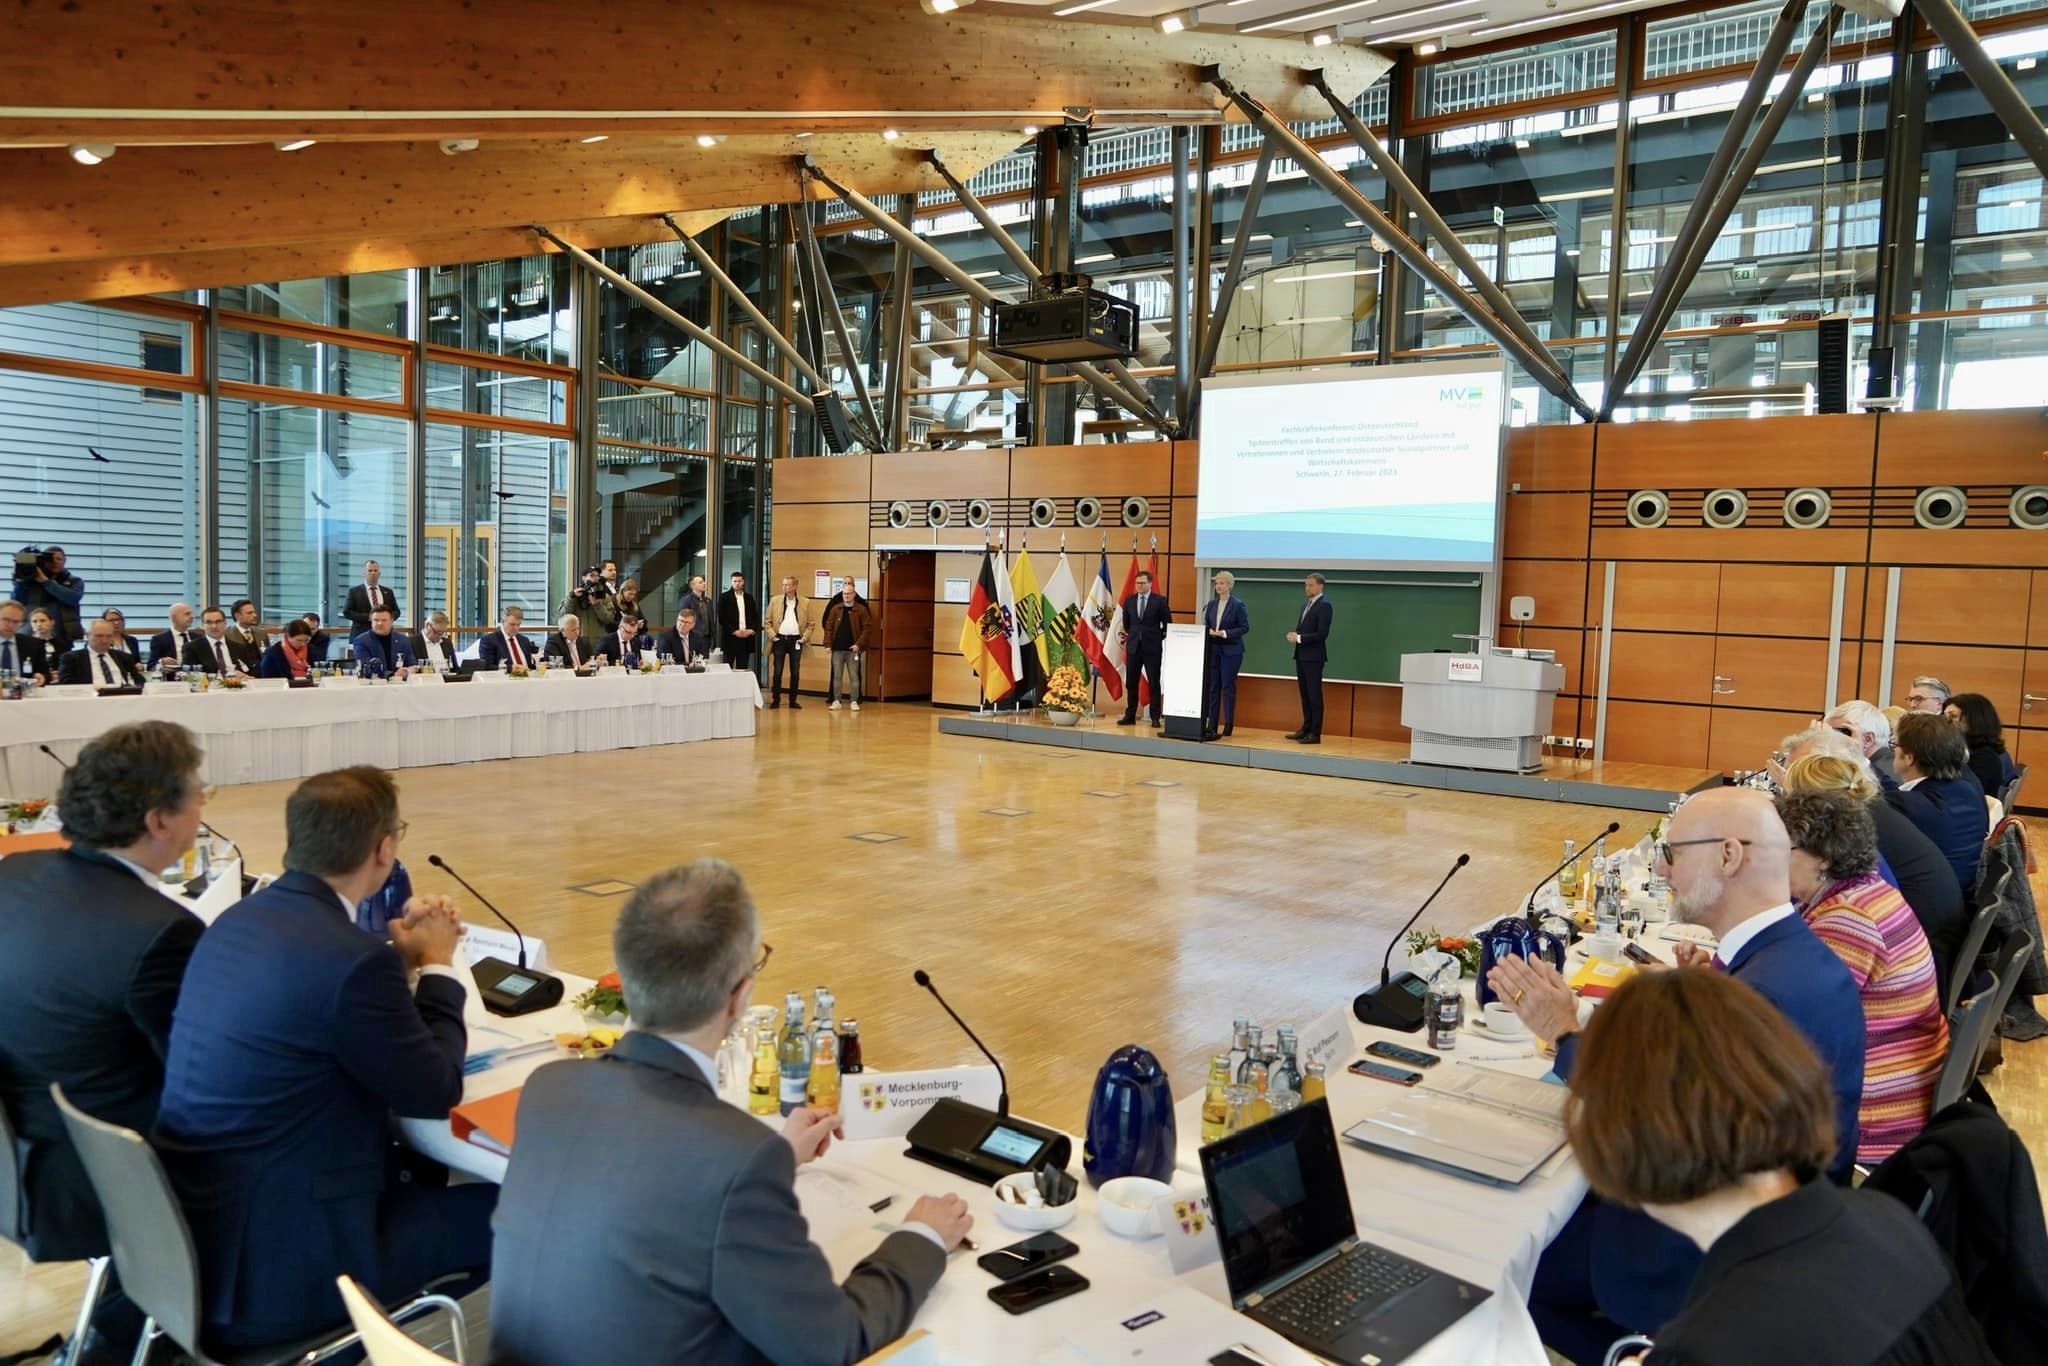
1460	394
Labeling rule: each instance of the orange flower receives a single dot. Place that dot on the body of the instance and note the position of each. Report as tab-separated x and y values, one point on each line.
611	979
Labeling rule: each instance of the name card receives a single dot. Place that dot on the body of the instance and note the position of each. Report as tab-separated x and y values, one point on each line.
492	941
1466	668
886	1104
1327	1037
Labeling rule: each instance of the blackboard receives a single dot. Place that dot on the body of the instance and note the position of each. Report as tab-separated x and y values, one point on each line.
1378	616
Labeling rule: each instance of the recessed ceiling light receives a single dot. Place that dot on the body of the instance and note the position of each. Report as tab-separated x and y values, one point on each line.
1422	34
1084	5
1307	16
1178	21
943	6
1030	130
890	135
597	137
1425	49
1572	17
295	145
1322	37
1426	9
91	153
710	139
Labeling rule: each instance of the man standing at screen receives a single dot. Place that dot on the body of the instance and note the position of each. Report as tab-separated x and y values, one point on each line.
1310	639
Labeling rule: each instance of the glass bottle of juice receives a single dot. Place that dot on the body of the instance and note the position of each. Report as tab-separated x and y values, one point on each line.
849	1047
1215	1104
1568	880
823	1089
1314	1086
764	1081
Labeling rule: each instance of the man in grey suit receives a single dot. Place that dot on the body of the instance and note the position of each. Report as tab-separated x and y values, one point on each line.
644	1219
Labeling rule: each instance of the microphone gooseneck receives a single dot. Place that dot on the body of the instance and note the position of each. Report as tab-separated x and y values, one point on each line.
923	979
442	864
1387	958
1529	907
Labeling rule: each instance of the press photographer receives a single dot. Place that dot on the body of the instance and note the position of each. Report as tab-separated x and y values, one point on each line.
594	600
41	580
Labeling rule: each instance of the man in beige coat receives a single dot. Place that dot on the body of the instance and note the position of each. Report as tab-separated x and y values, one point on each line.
789	621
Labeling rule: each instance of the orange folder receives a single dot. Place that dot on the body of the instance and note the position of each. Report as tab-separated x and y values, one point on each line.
22	844
488	1123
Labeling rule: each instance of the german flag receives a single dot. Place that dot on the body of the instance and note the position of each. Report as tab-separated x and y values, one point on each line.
986	639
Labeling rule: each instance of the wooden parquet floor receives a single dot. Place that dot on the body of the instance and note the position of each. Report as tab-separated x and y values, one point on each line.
1103	911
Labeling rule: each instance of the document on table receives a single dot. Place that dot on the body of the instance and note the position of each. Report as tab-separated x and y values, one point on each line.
1478	1124
1175	1327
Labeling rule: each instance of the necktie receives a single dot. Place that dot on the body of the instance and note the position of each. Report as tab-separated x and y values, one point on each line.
106	670
7	664
1141	607
512	648
220	655
1716	964
1304	613
574	662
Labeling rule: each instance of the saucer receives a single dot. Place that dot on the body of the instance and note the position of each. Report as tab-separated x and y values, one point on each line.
1479	1026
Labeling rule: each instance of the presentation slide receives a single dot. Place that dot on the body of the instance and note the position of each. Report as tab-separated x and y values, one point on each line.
1397	465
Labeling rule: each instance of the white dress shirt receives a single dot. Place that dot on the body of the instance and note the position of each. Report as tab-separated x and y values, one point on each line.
1733	942
789	625
438	653
740	605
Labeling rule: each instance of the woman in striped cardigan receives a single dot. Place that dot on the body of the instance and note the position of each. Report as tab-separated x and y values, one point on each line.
1872	930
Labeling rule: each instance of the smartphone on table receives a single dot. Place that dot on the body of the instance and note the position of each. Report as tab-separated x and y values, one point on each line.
1021	1259
1393	1052
1379	1071
1038	1288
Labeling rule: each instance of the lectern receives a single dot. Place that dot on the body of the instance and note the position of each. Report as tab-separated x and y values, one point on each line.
1487	710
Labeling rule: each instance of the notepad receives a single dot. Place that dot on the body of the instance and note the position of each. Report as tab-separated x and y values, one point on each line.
488	1123
1477	1124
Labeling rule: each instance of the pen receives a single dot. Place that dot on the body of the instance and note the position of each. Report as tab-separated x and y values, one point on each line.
882	1204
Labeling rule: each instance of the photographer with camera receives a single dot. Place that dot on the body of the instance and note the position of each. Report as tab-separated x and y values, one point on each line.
41	580
594	601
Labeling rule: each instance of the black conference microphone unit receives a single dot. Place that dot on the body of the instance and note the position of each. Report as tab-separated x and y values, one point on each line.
1529	907
506	989
1397	1003
981	1145
198	885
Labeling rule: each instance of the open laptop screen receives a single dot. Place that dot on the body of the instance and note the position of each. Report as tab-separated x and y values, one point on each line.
1277	1190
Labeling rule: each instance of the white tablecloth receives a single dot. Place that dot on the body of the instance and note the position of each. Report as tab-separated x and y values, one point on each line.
259	735
1486	1236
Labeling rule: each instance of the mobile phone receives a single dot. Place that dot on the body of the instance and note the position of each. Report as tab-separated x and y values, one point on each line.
1638	953
1379	1071
1019	1259
1040	1287
1414	1057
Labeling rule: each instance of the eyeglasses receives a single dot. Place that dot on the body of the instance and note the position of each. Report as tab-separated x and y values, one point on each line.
1919	698
767	952
398	831
1664	847
1849	731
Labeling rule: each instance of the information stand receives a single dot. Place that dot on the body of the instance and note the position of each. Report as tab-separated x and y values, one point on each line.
1181	681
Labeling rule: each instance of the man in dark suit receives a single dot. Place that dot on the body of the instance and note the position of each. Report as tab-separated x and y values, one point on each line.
625	645
296	1040
364	597
381	652
102	663
505	646
1310	639
91	958
1938	793
567	645
1145	617
1612	1269
209	649
699	600
20	652
434	643
634	1258
246	639
1226	621
690	641
739	623
171	644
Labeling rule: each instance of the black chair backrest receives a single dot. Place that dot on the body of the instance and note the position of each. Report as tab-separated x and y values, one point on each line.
1969	1034
2011	962
13	1198
1972	948
2009	795
153	1252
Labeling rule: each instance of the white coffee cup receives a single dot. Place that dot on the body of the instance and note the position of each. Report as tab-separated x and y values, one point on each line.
1501	1019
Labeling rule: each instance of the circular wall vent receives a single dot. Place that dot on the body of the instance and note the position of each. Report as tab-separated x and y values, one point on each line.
1806	509
1648	509
936	513
1087	512
1136	511
2030	507
899	514
978	512
1724	508
1941	508
1044	512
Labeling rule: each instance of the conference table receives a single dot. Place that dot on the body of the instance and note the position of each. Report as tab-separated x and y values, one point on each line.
1488	1235
266	731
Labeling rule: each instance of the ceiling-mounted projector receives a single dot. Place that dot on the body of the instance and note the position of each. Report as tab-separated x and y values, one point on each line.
1065	320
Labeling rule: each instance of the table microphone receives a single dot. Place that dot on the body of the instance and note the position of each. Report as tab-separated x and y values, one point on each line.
53	755
979	1144
1397	1003
1529	909
506	989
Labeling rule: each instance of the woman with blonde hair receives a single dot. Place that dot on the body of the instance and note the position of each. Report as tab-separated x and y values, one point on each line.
1907	859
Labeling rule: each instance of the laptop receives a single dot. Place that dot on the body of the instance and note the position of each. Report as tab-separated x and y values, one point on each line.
1291	1251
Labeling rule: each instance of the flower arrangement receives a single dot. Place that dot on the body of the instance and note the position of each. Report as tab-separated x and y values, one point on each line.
28	812
605	1000
233	681
516	671
1066	691
649	664
1461	947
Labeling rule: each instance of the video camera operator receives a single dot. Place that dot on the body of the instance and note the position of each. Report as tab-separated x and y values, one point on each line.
594	600
41	580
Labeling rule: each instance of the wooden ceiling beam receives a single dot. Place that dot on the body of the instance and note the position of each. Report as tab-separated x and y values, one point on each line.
270	70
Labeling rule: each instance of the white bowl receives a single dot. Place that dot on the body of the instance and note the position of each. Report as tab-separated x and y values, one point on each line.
1128	1204
1023	1218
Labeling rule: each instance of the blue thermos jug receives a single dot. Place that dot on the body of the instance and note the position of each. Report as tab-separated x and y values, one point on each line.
387	903
1514	937
1130	1119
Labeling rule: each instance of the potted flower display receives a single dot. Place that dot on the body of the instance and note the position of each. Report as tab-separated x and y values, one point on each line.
1066	696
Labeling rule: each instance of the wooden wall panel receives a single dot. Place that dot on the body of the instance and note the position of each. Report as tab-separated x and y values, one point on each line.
1549	458
1773	673
1181	526
1274	704
1997	674
1832	452
1546	526
920	476
1105	471
821	526
1187	467
1657	597
1566	643
1988	538
1982	606
1559	587
1998	446
1376	712
1763	538
1647	733
2037	617
952	684
806	563
1743	738
2034	714
1779	599
830	479
947	619
1184	588
1648	666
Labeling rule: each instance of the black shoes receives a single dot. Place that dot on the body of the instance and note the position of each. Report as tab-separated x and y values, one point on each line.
1294	735
1127	720
795	705
1229	728
774	702
1311	739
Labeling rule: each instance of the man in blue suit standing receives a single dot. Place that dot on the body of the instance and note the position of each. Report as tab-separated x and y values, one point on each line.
1613	1270
380	651
1145	618
1227	622
295	1040
1310	639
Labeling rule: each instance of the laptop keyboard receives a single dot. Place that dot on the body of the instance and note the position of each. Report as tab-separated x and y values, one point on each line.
1334	1297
